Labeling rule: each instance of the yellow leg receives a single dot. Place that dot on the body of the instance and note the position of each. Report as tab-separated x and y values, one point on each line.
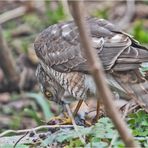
97	112
77	107
87	123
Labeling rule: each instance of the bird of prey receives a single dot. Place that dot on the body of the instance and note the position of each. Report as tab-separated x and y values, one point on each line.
63	69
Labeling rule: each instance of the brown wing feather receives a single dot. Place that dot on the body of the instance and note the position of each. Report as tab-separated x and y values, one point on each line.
59	47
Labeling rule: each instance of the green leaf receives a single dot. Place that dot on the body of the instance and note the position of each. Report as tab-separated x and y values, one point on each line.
97	145
75	143
34	115
43	104
140	33
12	146
54	16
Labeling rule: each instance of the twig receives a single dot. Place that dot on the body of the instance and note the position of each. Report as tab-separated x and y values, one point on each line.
34	129
7	62
20	139
23	78
129	14
124	115
12	14
17	12
98	75
141	138
65	8
74	124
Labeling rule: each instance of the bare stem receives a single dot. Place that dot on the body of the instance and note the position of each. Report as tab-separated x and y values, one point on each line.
34	129
7	62
17	12
12	14
98	74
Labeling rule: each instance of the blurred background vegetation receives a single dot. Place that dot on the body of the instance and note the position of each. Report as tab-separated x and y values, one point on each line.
26	107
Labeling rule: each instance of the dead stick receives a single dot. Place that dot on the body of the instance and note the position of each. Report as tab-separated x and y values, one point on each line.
17	12
98	74
12	14
34	129
7	62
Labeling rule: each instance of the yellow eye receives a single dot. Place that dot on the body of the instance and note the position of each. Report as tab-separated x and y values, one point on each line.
48	94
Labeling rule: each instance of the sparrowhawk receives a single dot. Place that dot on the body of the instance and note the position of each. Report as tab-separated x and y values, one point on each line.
63	68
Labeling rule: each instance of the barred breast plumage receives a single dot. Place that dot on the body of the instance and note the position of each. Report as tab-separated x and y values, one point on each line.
78	85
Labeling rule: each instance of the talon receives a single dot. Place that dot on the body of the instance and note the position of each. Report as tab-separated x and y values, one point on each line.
66	121
88	123
61	120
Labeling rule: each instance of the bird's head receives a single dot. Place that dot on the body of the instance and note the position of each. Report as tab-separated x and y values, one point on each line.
49	87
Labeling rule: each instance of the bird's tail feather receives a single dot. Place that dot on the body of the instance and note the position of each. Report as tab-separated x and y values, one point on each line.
131	86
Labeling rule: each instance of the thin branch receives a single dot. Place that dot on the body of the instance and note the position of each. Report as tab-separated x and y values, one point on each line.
65	8
129	14
74	124
123	116
34	129
17	12
7	62
98	74
12	14
20	139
